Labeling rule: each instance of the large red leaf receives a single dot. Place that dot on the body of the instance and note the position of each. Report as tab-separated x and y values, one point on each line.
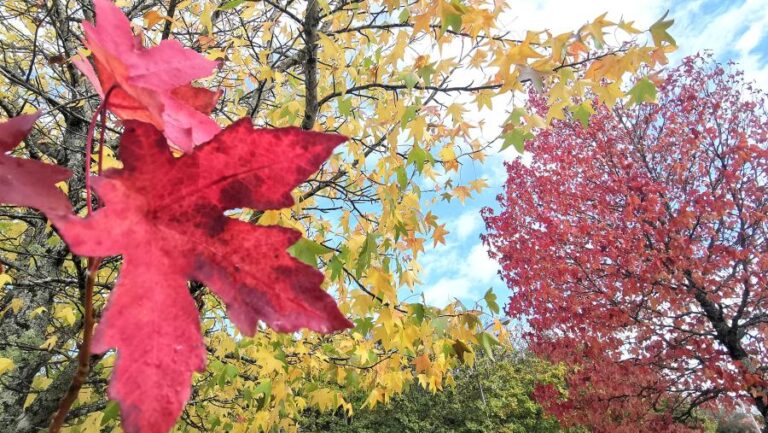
26	182
165	215
151	85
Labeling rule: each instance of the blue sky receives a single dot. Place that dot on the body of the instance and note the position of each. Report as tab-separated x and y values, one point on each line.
736	30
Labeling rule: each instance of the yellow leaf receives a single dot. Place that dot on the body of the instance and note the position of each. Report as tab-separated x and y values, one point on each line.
110	161
37	311
478	185
151	18
462	193
325	399
64	186
609	94
448	156
16	305
456	112
270	218
375	397
483	99
205	17
49	343
418	127
595	29
65	313
6	365
438	235
92	423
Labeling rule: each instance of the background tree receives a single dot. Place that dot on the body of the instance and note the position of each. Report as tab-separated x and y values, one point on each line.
635	247
370	70
493	395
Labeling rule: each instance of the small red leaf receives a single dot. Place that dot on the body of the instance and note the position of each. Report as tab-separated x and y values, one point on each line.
25	182
151	85
165	215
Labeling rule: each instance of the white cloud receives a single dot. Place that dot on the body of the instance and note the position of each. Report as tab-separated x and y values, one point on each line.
734	31
479	266
564	15
466	224
467	274
446	290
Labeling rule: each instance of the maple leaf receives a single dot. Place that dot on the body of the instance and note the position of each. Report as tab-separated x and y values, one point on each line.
659	31
166	217
151	85
26	182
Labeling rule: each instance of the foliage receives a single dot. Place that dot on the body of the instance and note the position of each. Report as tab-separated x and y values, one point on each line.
386	74
494	395
636	249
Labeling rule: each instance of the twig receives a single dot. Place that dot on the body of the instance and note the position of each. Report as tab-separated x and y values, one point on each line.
83	357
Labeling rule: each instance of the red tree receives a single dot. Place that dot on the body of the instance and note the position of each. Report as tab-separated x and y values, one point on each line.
636	250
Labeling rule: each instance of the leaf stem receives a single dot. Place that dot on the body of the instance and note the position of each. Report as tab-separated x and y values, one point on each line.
101	110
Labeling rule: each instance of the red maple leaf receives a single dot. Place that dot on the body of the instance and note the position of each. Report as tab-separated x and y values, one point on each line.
165	215
26	182
151	85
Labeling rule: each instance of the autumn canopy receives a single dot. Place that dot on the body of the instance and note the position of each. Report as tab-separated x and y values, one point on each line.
635	246
214	212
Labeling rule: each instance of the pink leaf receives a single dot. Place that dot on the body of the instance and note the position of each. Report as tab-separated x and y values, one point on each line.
25	182
151	85
165	215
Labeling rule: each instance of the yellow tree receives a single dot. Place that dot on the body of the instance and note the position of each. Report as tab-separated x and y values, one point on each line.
398	78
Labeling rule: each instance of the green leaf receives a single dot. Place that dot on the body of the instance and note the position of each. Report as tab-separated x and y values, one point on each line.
408	115
516	138
404	15
418	312
582	113
264	388
231	5
426	72
230	371
364	258
307	251
416	157
400	231
643	91
402	177
659	31
440	324
345	106
515	116
111	411
364	325
490	300
451	16
410	79
487	341
336	267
